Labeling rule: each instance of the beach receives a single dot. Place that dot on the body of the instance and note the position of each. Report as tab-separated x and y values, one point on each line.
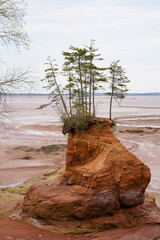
30	133
137	126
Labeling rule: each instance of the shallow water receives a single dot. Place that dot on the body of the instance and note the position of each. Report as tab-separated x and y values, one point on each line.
43	133
23	109
10	185
138	125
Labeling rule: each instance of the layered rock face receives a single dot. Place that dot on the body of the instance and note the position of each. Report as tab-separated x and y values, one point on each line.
101	176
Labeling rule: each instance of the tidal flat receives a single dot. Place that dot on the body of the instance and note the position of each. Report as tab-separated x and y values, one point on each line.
32	144
137	126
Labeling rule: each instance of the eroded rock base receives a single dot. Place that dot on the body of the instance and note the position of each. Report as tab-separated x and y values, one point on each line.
100	178
146	213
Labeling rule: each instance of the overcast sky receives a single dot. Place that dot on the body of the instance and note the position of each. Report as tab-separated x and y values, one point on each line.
128	30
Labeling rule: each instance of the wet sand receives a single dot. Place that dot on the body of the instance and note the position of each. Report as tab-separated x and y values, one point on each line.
29	129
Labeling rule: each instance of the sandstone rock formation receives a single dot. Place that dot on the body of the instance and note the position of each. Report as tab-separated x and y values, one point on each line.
100	178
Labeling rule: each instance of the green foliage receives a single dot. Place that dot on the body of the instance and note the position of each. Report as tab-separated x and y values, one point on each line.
118	83
56	94
5	197
52	148
49	149
79	122
17	190
54	173
58	170
42	106
84	78
117	80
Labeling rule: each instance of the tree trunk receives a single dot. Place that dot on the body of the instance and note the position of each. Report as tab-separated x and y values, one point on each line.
112	92
85	94
59	92
81	83
90	91
70	96
110	108
93	98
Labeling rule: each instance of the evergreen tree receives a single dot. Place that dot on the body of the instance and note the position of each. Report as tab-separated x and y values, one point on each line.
68	72
118	83
56	94
96	74
83	79
78	55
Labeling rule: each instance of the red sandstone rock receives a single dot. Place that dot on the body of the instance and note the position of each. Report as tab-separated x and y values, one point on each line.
101	176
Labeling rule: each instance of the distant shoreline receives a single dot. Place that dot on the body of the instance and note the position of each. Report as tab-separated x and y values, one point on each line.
97	94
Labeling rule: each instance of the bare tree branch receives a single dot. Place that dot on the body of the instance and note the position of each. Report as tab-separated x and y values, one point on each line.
16	79
13	80
11	23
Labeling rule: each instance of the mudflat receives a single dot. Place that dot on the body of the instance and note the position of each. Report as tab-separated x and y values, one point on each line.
28	129
32	143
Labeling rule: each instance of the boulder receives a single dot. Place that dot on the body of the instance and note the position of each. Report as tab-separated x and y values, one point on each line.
100	178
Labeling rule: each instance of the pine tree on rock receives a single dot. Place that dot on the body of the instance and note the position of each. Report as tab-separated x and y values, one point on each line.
118	83
56	94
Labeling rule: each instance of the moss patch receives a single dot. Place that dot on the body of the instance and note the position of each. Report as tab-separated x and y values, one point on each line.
52	177
11	198
6	197
17	190
54	173
9	202
157	197
52	148
48	149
